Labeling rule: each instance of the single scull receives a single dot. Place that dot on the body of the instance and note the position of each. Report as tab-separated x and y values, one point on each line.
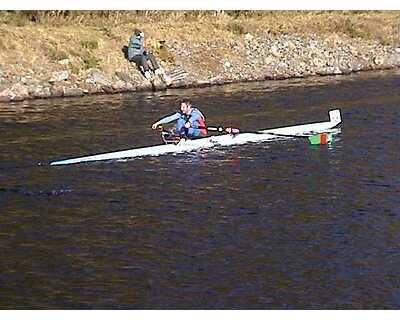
212	141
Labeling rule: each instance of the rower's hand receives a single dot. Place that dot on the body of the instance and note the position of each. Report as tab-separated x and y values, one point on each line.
155	126
187	125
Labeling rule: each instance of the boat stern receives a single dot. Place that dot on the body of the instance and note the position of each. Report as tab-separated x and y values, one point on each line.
335	117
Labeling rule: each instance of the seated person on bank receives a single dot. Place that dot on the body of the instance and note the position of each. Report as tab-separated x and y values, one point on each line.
138	54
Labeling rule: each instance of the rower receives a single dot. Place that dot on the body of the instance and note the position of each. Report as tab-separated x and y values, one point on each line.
189	121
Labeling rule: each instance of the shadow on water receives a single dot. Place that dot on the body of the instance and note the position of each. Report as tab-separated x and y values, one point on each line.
280	225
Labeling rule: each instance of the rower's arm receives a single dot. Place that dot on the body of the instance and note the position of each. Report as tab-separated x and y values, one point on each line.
167	119
170	118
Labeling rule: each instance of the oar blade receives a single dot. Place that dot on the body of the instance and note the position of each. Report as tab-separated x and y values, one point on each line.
320	138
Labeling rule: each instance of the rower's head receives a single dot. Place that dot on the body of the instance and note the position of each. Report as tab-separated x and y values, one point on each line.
186	106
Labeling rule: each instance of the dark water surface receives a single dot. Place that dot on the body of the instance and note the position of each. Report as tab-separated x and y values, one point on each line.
280	225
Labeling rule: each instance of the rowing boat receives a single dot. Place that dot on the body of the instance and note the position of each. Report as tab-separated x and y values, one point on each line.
212	141
209	142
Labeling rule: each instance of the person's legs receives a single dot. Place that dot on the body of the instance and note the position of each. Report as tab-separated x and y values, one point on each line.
153	61
157	70
180	126
193	133
142	64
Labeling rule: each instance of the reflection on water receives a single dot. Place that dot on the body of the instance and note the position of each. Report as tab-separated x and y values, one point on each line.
279	225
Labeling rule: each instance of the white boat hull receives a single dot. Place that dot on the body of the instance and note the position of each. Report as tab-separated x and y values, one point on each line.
209	142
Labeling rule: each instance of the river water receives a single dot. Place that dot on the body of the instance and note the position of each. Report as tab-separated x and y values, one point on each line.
279	225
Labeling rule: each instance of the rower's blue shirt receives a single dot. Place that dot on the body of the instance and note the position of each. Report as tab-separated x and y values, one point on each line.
196	119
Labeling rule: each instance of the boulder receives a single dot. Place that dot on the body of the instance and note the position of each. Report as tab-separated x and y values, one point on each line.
5	95
20	90
317	62
378	60
63	61
95	76
56	91
40	92
248	37
17	92
227	65
123	76
275	51
72	92
59	76
118	86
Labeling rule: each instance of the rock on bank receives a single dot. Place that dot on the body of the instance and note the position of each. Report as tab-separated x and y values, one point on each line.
243	58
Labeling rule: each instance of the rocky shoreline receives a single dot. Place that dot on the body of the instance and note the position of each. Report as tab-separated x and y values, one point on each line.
245	58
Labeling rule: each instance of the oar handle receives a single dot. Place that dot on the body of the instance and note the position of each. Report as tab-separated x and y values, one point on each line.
221	129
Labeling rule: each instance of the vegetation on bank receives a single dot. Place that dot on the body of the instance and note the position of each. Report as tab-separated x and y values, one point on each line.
36	43
381	25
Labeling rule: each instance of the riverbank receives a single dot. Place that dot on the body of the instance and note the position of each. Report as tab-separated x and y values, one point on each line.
62	57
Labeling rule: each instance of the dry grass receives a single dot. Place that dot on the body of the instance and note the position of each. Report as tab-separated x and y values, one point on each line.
39	39
352	23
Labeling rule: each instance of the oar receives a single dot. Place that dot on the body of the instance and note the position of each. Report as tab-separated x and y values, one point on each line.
237	131
317	138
